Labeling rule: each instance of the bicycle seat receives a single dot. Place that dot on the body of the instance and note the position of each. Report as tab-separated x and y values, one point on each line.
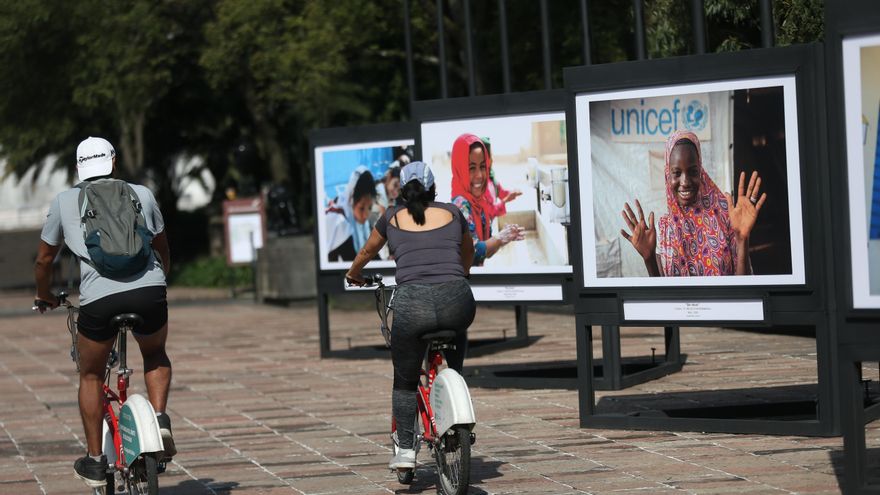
441	336
131	320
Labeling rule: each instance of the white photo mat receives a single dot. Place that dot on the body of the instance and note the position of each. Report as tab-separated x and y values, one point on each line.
325	264
793	169
860	245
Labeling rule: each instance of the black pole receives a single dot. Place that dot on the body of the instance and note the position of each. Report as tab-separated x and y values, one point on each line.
585	26
767	36
545	41
698	14
505	52
472	84
410	76
639	14
441	49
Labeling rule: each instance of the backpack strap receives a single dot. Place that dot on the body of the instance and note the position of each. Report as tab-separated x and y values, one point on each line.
84	206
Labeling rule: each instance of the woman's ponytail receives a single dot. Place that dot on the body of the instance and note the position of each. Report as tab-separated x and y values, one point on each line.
416	199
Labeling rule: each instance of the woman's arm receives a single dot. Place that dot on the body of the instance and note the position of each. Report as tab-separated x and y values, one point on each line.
653	266
368	252
742	257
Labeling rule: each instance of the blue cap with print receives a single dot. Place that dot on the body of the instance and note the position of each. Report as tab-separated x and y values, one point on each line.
417	171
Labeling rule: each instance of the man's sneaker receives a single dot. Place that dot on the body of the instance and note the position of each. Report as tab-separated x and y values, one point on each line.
93	472
405	459
167	439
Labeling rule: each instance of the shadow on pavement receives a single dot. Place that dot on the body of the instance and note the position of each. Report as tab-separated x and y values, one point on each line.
194	487
426	477
872	468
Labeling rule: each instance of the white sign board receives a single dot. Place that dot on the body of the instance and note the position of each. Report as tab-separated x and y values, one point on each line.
694	310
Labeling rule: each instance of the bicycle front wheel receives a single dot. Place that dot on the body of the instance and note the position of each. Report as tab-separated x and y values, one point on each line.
453	457
144	476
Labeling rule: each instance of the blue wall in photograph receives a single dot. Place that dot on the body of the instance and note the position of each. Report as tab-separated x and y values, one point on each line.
338	166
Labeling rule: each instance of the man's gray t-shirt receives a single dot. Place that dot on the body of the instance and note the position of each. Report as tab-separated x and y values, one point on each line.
63	223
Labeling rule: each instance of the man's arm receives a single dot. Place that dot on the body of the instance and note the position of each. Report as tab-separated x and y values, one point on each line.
43	272
160	244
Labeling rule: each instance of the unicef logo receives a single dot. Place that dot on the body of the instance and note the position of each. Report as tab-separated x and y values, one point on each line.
695	116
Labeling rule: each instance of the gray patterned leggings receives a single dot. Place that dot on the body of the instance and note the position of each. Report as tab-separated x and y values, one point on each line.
421	309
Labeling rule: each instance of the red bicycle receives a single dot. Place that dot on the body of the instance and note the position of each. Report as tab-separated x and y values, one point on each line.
131	440
445	419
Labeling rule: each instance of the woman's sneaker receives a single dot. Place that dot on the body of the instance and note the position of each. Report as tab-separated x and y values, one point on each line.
167	439
92	472
405	459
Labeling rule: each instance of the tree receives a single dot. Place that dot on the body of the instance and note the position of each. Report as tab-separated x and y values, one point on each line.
72	69
287	61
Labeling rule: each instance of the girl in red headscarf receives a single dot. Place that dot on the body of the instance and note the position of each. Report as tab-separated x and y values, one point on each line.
700	235
470	180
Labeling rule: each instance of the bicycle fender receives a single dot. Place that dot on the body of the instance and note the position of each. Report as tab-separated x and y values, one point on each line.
451	402
107	445
139	428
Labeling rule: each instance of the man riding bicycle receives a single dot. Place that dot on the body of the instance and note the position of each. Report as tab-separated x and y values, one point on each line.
103	297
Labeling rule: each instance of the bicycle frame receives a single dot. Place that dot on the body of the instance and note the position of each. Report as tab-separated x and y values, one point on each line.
110	396
433	361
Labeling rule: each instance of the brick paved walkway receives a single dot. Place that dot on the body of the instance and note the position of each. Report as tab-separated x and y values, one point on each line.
256	411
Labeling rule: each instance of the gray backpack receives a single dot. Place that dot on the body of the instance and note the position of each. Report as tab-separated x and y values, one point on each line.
114	228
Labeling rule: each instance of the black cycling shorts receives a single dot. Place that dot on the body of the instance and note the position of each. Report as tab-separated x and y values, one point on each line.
148	302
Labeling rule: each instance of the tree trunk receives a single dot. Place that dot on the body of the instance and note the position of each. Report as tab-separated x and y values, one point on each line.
131	144
267	139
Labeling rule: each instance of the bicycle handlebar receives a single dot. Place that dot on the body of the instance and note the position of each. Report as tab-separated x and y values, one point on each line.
41	306
372	280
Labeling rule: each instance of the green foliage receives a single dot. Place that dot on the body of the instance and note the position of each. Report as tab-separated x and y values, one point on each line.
210	272
799	21
668	25
164	79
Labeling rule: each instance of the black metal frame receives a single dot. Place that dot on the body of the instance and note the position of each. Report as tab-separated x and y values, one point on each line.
859	336
784	304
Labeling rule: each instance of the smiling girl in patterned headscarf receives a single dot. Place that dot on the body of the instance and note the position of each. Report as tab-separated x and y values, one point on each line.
700	235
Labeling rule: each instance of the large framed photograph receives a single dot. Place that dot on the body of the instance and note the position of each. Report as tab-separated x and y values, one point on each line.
691	185
355	183
861	85
509	176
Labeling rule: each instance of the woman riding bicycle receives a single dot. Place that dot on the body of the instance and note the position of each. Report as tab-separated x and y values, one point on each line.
431	246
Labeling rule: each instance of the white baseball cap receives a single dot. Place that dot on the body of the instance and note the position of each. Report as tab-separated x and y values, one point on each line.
94	158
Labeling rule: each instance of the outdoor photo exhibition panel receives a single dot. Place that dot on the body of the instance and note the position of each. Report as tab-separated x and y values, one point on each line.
698	200
527	188
354	181
860	55
853	49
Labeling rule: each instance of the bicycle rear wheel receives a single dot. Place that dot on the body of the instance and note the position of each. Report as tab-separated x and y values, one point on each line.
144	476
453	457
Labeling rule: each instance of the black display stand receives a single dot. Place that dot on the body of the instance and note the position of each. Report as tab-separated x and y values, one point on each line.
803	305
612	372
331	281
859	326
